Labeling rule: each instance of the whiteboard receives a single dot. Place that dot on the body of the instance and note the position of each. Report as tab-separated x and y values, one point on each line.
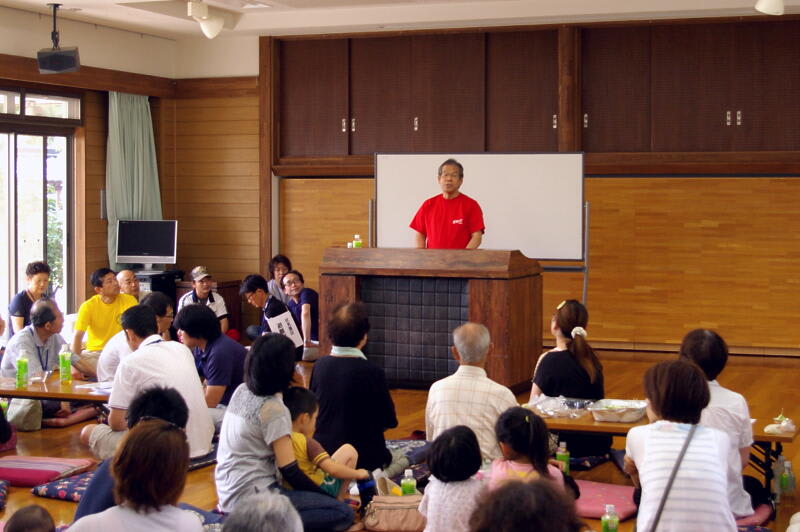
532	202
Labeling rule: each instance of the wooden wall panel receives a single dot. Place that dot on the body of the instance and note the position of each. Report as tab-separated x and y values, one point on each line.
319	213
216	192
95	112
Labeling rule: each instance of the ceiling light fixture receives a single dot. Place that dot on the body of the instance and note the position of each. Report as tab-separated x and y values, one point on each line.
770	7
210	22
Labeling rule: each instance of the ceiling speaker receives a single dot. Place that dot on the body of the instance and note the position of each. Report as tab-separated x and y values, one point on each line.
56	61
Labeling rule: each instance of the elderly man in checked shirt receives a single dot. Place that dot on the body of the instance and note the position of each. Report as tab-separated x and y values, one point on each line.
468	397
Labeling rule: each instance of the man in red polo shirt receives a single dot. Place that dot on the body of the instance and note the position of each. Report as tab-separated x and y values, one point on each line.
450	220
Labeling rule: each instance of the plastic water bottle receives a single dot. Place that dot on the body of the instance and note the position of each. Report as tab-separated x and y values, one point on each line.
65	365
409	483
787	479
562	455
357	243
777	472
610	520
22	372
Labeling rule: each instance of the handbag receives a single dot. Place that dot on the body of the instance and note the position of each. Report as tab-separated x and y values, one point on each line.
394	513
25	414
657	517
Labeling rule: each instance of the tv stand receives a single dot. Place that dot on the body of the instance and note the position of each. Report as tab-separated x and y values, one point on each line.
159	281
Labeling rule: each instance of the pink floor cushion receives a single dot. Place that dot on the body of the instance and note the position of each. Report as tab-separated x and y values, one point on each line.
595	496
759	517
82	414
65	489
34	470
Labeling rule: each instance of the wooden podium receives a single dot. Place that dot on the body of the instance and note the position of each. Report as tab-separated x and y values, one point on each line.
417	296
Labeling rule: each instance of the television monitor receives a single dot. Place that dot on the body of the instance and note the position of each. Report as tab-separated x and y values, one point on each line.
147	242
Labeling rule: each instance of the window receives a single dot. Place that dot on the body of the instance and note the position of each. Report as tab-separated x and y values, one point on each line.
34	106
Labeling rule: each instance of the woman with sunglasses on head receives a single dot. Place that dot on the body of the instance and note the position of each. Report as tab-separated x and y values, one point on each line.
573	370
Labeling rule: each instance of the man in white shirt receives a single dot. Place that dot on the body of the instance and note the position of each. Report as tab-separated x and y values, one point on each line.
153	362
469	397
203	294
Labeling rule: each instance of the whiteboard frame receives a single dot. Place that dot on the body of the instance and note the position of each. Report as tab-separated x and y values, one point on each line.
374	216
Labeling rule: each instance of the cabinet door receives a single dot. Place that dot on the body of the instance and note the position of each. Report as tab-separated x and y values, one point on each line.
521	91
448	92
313	97
616	89
765	85
691	74
380	95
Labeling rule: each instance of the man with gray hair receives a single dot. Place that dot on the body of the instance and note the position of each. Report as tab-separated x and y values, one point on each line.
265	511
469	397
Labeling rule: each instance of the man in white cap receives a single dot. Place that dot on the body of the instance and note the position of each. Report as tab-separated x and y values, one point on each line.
201	293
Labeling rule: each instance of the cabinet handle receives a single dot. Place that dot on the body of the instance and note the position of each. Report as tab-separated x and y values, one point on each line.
352	125
727	118
585	120
555	121
344	125
416	123
738	118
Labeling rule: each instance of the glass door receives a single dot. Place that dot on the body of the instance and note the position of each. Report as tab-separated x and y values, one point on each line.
34	204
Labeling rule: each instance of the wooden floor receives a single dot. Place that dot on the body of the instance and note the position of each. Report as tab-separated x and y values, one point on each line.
763	380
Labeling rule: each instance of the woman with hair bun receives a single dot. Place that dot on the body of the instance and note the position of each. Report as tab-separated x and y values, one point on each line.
573	370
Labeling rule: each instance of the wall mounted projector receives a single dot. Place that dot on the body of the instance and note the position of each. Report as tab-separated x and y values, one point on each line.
56	60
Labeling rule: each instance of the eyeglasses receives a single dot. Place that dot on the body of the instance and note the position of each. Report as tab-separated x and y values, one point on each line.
291	281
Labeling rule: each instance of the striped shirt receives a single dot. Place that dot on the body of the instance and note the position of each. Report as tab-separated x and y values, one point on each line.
698	500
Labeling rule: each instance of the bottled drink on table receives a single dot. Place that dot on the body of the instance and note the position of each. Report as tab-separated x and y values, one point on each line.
562	455
409	483
22	372
357	243
65	365
610	520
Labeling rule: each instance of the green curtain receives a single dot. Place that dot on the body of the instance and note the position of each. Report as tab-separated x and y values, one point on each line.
132	190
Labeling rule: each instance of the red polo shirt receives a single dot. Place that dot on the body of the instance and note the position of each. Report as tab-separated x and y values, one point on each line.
448	223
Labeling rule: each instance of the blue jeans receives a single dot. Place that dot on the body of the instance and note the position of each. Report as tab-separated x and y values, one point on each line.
320	512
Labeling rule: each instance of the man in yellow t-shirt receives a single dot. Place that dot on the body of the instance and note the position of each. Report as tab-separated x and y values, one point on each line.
98	317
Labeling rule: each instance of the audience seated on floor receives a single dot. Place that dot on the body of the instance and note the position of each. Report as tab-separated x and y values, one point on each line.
37	277
153	362
219	359
278	266
726	410
149	472
304	306
117	347
255	441
452	493
40	343
255	290
469	397
32	518
332	473
203	294
157	402
573	370
677	393
516	506
354	402
525	444
98	319
129	284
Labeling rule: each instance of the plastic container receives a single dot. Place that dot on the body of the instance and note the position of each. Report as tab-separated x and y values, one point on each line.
65	365
559	406
618	410
562	455
22	372
609	522
787	479
409	484
357	243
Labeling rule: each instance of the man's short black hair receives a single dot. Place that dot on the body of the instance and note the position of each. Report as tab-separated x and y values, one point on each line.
452	162
43	312
97	276
298	274
36	267
31	518
253	282
198	321
269	365
300	400
141	320
158	301
455	454
348	324
707	349
161	402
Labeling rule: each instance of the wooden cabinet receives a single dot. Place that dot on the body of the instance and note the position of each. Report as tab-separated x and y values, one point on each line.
615	89
313	93
521	91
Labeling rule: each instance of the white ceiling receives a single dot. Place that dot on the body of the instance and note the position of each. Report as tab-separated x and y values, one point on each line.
167	18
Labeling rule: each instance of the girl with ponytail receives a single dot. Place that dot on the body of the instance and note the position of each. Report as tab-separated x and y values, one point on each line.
573	370
524	442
